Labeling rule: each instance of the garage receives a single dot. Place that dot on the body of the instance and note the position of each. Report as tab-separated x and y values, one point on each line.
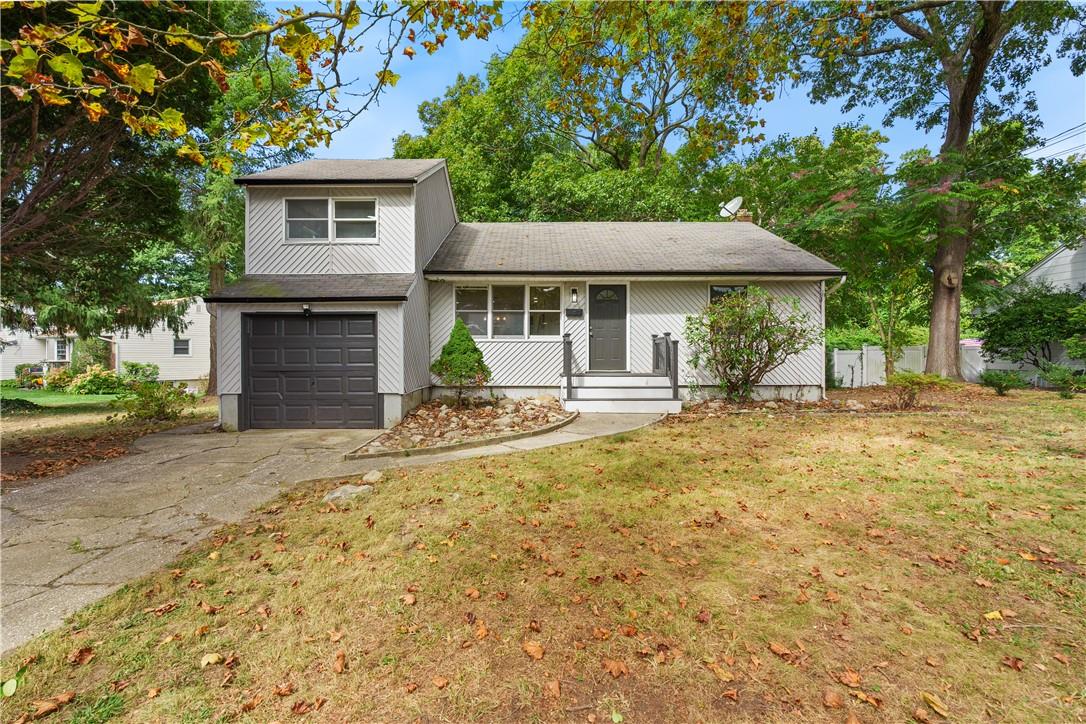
310	371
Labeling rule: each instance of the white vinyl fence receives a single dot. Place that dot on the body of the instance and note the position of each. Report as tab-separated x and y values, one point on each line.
867	365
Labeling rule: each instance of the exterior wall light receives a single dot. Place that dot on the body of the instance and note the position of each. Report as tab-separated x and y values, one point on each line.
573	295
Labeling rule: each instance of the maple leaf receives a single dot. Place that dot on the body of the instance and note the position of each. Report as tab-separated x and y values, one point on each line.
284	688
850	678
440	682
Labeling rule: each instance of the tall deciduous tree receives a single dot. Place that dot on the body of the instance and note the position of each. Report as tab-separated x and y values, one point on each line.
943	64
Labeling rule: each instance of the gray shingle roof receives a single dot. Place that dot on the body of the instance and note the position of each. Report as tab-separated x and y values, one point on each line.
315	288
633	248
345	171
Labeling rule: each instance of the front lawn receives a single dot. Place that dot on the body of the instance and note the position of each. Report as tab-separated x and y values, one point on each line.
752	567
59	403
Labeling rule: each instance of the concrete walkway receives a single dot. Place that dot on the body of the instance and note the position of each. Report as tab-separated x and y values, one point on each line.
69	541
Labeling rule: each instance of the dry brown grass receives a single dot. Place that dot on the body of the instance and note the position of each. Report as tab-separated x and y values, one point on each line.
739	567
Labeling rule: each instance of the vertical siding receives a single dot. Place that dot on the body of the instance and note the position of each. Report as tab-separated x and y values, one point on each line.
658	307
390	374
434	215
268	252
156	347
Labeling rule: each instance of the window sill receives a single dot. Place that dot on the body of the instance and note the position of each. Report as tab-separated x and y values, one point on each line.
518	339
333	242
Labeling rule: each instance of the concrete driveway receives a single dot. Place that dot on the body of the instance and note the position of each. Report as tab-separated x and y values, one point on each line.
69	541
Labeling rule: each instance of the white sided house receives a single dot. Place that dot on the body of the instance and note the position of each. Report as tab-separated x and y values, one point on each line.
357	270
182	357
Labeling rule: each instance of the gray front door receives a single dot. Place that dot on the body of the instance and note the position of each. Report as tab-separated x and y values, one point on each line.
607	326
317	371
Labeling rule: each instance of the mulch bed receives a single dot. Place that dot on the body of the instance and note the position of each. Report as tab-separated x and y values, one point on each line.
441	422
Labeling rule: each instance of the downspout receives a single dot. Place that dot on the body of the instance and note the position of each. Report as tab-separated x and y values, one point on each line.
837	286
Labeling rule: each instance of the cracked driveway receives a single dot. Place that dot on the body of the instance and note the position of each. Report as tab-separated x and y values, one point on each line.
70	540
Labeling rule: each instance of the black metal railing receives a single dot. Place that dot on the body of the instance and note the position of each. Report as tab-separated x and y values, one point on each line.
567	364
665	360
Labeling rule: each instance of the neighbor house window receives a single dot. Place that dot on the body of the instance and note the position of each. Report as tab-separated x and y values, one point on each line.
471	307
355	219
544	311
181	346
507	311
62	350
511	311
716	291
307	219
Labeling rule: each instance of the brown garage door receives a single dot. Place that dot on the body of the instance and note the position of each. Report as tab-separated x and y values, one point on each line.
317	371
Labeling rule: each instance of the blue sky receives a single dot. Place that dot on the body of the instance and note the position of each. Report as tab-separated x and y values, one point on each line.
1061	98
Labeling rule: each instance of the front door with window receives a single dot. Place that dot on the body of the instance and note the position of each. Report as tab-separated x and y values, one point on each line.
607	326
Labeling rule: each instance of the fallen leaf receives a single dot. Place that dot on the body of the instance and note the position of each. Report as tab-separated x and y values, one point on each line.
994	616
703	616
481	631
284	688
341	662
850	678
983	582
1013	662
802	597
553	689
45	707
935	703
627	630
251	704
408	599
211	660
153	692
720	672
779	650
335	636
601	634
852	718
440	682
472	593
832	699
865	697
615	667
411	687
79	657
921	715
534	649
1062	658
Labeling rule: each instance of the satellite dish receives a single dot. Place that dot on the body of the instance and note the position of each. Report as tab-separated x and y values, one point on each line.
730	209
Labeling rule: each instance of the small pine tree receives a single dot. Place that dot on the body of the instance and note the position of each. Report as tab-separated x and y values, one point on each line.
461	362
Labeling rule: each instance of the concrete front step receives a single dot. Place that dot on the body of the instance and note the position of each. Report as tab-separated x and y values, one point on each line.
616	392
620	380
626	405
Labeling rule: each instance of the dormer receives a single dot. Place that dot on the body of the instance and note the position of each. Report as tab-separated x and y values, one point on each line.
326	216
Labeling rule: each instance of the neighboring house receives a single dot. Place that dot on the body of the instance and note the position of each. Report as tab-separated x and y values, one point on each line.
356	271
18	347
180	358
184	357
1064	268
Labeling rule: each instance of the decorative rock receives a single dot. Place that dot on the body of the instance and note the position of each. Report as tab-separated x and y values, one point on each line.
348	492
854	404
771	405
373	476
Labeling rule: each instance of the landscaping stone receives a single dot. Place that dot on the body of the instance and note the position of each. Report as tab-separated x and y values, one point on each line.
349	492
373	476
439	423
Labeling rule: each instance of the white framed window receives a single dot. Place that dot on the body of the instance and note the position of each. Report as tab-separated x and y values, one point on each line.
545	311
355	219
716	291
181	347
472	306
306	219
511	311
62	350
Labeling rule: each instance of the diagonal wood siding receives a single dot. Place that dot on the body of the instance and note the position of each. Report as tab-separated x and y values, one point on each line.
390	376
658	307
268	252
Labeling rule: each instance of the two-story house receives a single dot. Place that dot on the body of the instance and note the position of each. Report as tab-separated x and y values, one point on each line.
357	270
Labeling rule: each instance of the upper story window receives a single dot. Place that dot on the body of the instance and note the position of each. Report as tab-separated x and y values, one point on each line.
181	347
343	220
716	291
62	350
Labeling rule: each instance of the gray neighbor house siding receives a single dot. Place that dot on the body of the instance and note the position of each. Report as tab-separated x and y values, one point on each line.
407	276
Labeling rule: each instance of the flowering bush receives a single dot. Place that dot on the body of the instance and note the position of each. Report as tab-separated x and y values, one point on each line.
96	380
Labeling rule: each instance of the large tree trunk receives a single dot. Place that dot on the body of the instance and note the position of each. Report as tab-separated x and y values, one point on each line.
216	281
946	308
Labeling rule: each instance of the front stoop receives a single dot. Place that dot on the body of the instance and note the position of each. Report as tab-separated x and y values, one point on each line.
621	393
